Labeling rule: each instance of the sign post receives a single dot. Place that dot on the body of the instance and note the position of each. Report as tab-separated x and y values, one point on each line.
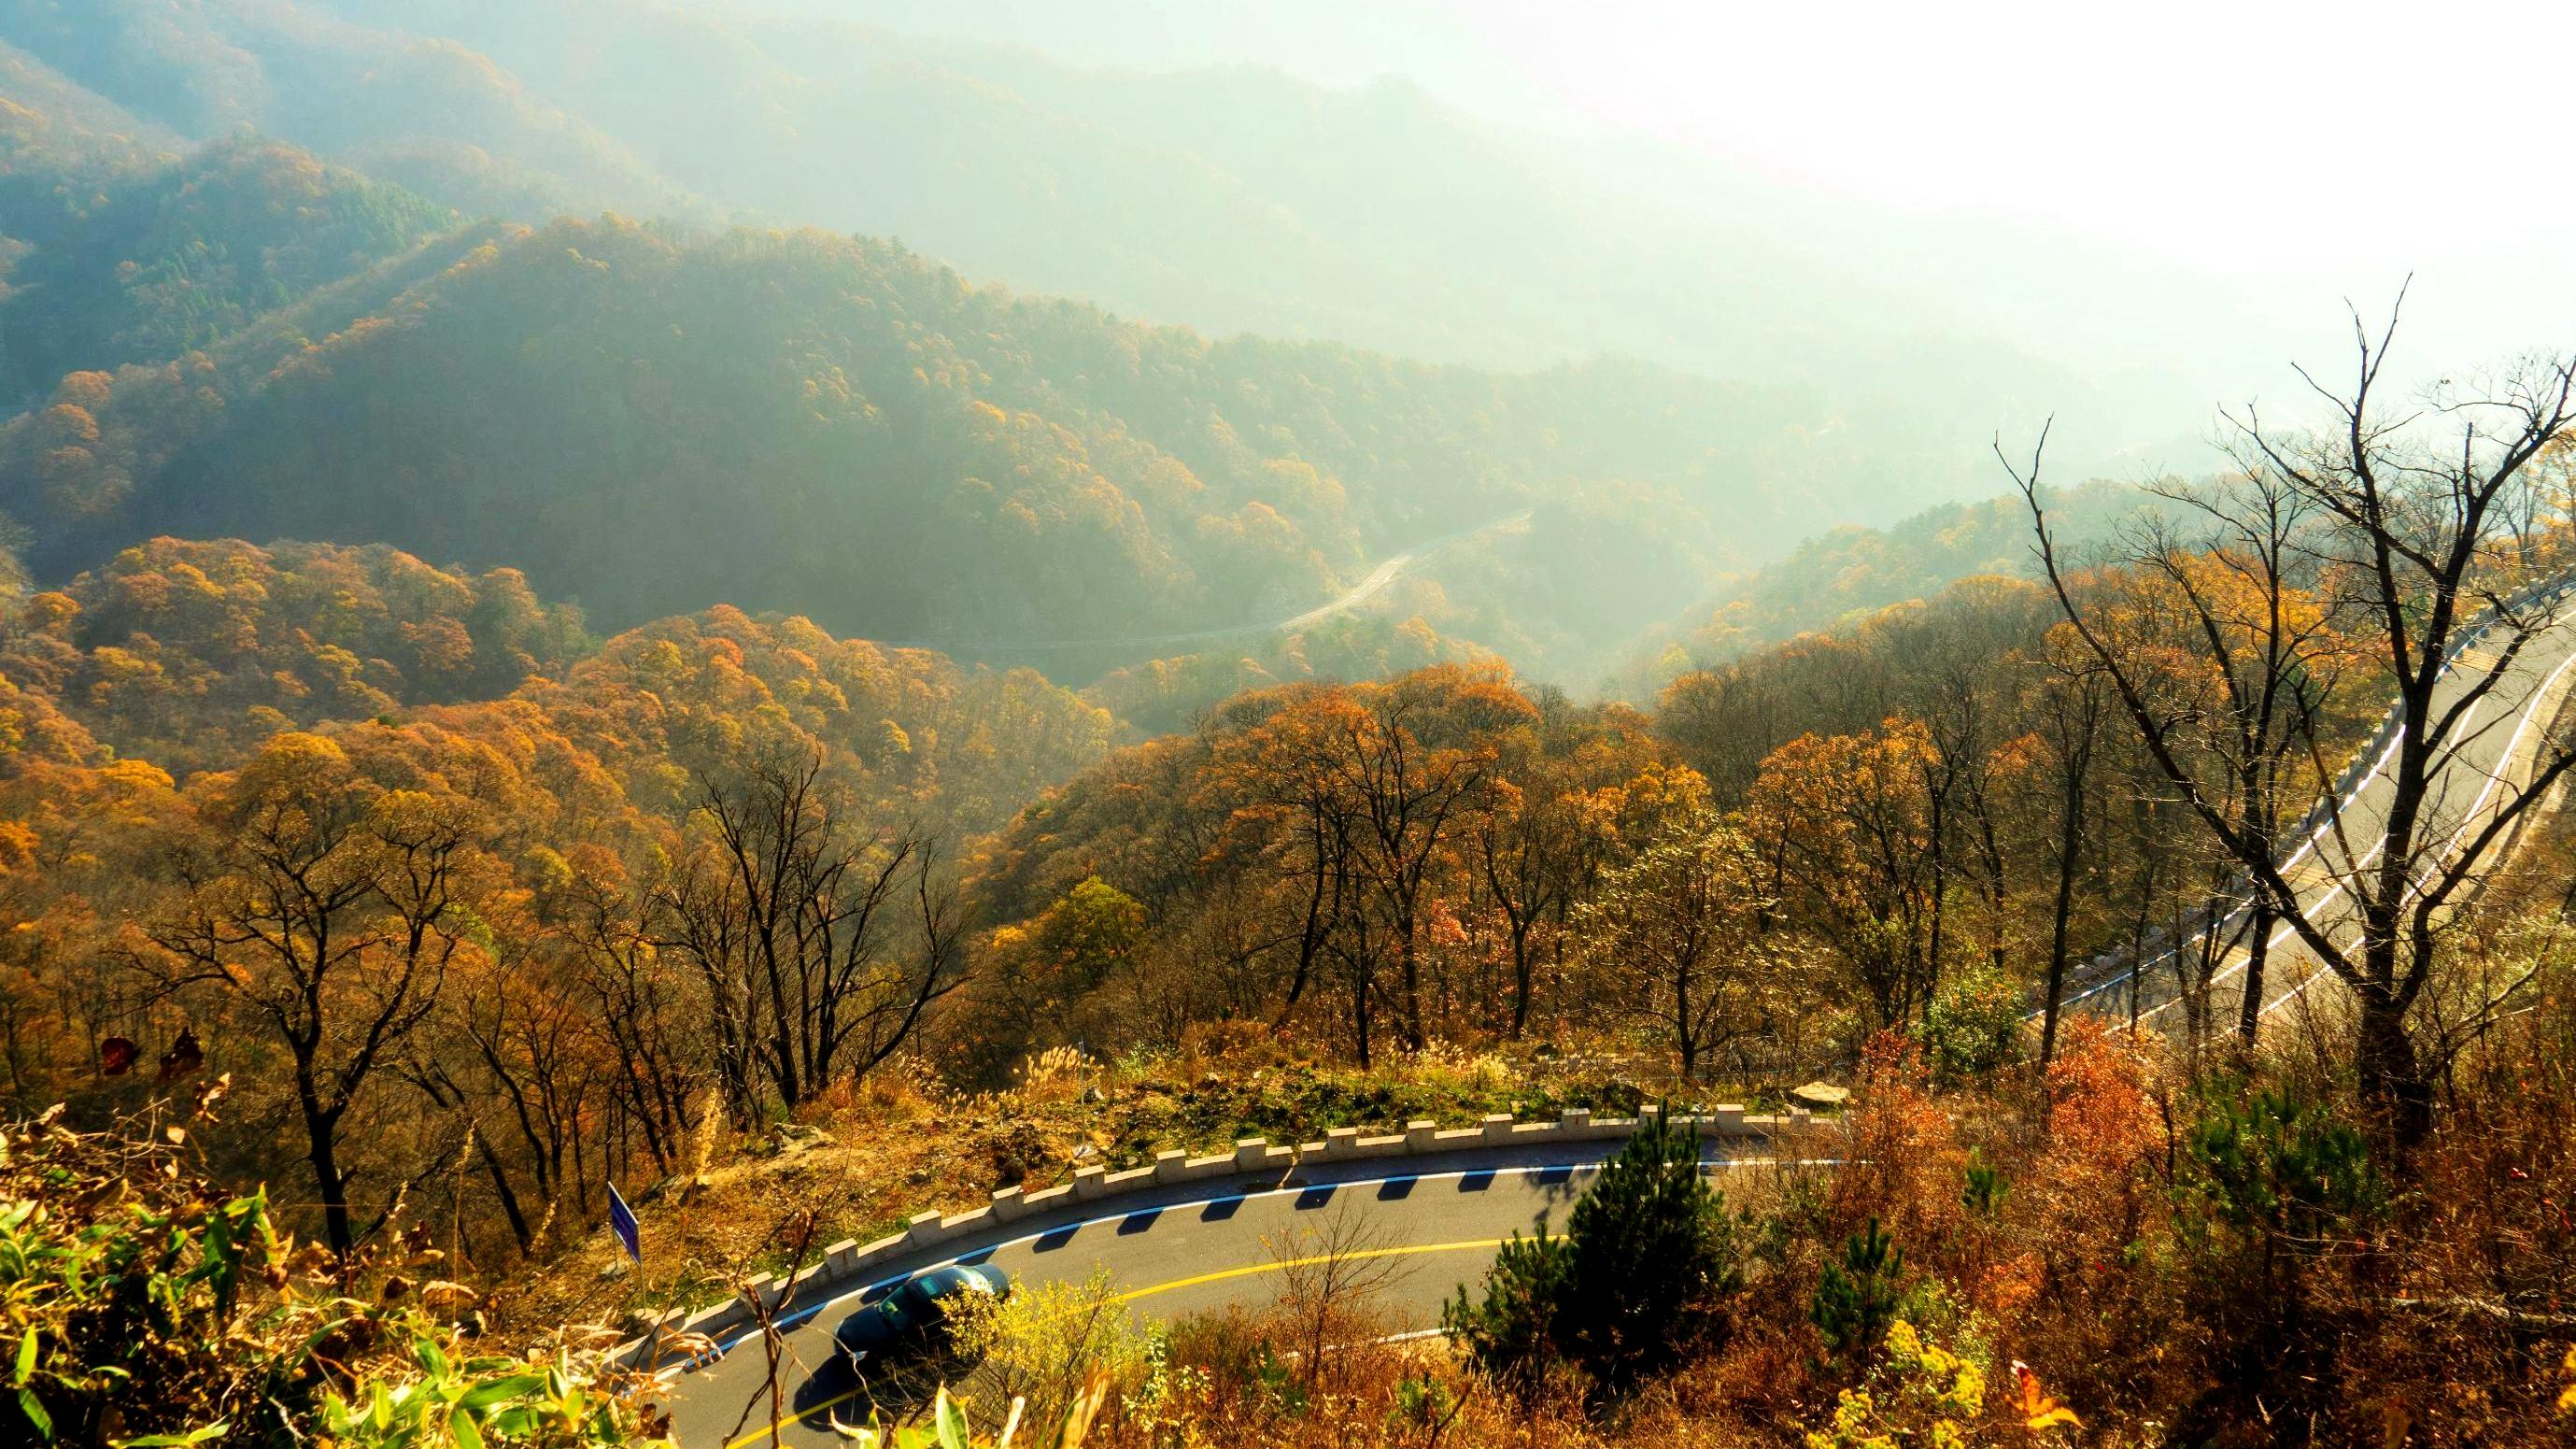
621	1221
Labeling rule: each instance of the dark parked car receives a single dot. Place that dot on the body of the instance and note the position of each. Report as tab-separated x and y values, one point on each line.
912	1322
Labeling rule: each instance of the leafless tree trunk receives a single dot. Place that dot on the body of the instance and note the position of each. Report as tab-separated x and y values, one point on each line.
2072	723
792	916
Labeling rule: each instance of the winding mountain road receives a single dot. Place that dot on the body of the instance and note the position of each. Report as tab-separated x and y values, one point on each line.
1429	1225
1394	566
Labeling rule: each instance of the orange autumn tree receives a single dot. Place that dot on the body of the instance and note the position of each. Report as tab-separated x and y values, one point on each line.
1567	797
1849	831
1363	789
73	841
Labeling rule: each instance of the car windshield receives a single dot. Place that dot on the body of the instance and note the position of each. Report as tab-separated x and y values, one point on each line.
922	1303
904	1309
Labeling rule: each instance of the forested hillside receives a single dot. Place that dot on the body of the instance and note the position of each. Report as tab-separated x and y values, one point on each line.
1845	574
1443	856
839	427
1168	696
587	838
241	339
199	727
416	108
57	127
160	262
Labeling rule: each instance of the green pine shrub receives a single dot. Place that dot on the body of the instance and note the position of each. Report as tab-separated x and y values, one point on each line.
1638	1280
1856	1299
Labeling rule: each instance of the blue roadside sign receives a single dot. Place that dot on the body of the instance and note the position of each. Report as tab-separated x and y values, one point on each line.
621	1221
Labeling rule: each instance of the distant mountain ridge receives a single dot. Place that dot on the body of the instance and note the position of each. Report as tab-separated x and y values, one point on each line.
650	417
1838	578
174	258
1235	199
841	428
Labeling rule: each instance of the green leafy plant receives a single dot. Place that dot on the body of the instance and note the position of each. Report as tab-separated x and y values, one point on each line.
1510	1334
1161	1405
1423	1405
1926	1392
1974	1025
2273	1165
949	1427
473	1402
2272	1192
1986	1187
120	1269
1278	1382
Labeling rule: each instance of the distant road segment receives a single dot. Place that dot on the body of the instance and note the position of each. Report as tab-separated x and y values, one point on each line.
2501	741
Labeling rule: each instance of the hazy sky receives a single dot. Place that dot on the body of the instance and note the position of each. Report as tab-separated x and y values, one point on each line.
2240	136
2317	149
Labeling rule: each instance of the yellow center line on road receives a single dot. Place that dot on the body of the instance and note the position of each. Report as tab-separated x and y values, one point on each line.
1283	1264
762	1433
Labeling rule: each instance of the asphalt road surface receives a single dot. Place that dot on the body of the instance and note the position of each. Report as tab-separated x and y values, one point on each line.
1430	1224
2498	745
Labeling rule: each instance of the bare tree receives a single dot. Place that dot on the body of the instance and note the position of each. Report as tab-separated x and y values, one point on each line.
1314	857
1332	1272
512	1047
2071	708
2265	629
793	914
2413	520
639	1010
